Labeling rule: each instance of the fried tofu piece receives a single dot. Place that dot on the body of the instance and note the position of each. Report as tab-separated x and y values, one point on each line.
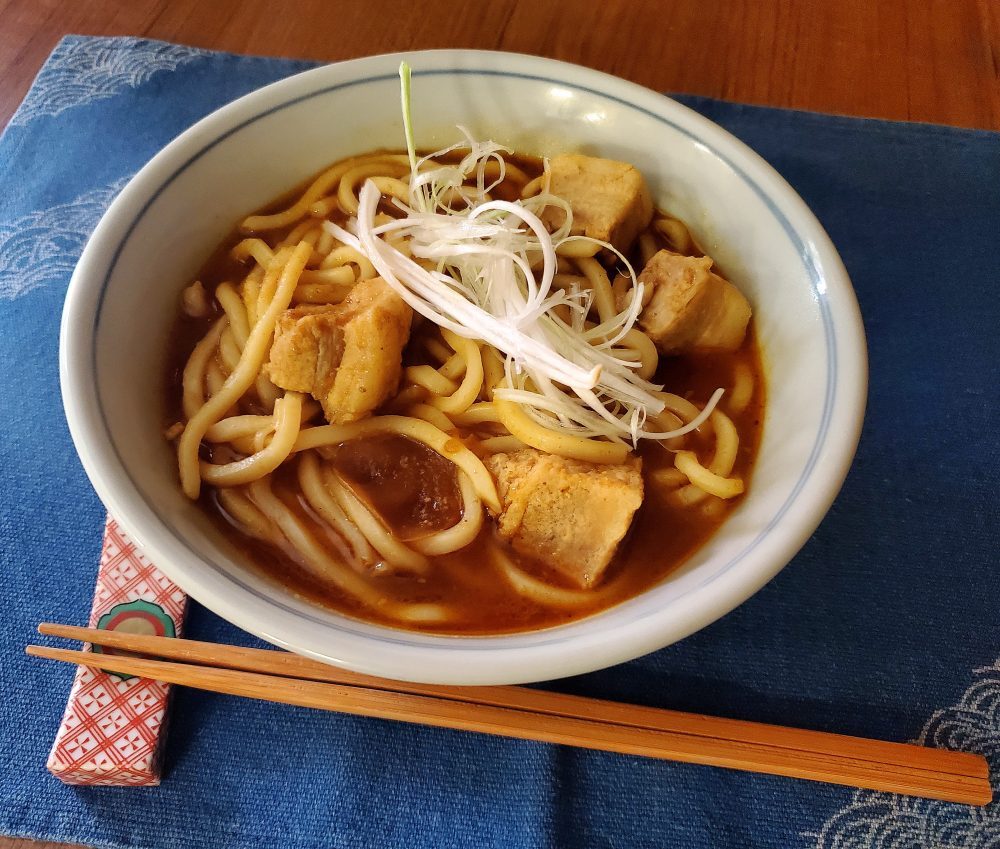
610	200
691	308
307	348
348	356
567	514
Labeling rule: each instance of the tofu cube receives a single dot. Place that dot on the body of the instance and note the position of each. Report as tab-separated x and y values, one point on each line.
348	356
609	199
691	308
567	514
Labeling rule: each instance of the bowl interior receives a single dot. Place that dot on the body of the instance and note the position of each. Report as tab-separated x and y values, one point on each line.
124	299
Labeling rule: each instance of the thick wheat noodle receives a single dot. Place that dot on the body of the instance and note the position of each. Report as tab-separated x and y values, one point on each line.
392	187
437	349
532	187
675	232
236	427
492	370
742	391
453	368
304	231
540	591
260	441
316	559
215	377
577	249
229	351
317	189
564	265
323	208
267	392
647	246
287	421
341	275
330	511
236	312
597	277
683	408
344	256
432	415
511	172
479	413
487	429
250	290
240	380
256	248
346	196
245	445
463	532
321	293
251	520
430	379
325	568
727	444
406	398
713	484
521	425
645	350
620	288
193	379
667	478
434	438
269	284
325	244
465	395
396	553
666	421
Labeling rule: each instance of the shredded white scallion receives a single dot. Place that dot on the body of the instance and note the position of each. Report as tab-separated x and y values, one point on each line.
471	272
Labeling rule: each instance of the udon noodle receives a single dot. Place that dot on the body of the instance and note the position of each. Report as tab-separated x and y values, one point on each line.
392	515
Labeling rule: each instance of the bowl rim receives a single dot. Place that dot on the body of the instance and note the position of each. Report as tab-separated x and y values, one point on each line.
443	659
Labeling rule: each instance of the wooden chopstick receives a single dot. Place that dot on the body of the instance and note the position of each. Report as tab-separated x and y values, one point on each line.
548	717
296	666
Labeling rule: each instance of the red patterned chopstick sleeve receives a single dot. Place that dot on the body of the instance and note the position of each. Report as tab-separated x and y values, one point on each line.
113	728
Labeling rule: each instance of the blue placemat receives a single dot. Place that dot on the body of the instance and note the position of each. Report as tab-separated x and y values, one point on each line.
885	625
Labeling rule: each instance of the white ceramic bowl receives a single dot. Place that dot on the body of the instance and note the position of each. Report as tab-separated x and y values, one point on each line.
123	298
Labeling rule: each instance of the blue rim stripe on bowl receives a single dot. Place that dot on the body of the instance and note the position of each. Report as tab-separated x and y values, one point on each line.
806	255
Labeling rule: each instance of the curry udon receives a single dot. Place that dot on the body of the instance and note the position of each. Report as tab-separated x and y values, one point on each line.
436	394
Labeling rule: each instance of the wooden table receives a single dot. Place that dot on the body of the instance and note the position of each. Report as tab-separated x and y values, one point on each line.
919	60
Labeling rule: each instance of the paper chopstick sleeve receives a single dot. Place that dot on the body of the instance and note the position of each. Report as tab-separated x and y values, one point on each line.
114	726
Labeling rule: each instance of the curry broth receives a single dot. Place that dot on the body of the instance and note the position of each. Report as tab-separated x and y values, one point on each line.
416	491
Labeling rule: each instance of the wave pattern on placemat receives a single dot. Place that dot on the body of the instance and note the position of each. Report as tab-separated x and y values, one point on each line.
82	70
43	246
883	821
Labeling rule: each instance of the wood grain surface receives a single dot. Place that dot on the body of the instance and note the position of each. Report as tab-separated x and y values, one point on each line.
921	60
918	60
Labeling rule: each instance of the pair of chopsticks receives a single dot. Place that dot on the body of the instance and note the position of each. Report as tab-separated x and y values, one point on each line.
530	714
